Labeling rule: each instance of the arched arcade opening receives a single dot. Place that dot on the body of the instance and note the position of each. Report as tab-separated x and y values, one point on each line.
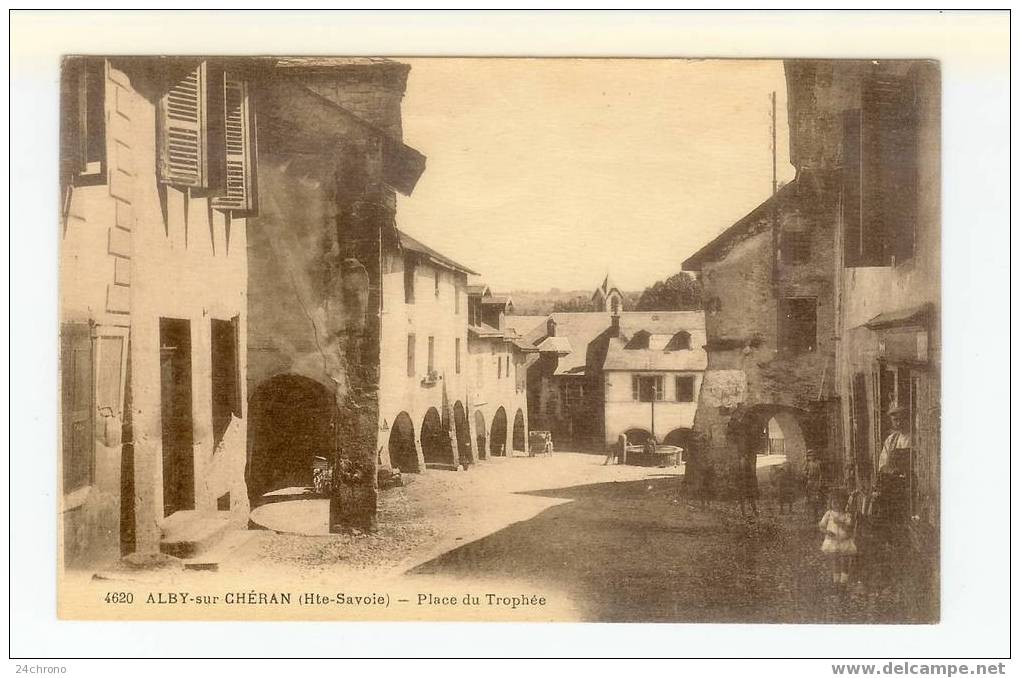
292	421
460	424
403	454
435	439
497	436
480	435
519	442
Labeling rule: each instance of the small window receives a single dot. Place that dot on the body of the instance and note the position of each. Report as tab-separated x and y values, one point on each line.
437	276
799	324
499	367
456	355
223	502
796	247
456	300
432	355
226	383
410	355
685	389
409	266
83	120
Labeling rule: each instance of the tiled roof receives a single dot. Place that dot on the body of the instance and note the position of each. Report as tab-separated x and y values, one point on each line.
524	325
624	359
555	345
414	245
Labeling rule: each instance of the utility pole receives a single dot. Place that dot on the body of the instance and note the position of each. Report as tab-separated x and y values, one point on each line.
773	213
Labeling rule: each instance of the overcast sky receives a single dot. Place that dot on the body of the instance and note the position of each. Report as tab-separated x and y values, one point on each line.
550	172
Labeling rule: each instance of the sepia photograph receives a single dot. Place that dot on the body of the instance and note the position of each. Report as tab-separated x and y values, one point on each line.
576	380
591	333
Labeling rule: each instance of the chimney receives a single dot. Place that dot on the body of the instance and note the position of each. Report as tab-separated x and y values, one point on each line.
550	327
614	325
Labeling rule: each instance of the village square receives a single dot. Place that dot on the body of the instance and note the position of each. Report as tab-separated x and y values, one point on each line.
266	373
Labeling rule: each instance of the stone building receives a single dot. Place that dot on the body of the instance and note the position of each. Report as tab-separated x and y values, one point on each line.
330	162
424	371
604	372
769	299
497	397
874	128
157	185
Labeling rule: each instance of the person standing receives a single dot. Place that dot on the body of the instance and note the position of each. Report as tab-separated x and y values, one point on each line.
814	486
618	450
893	459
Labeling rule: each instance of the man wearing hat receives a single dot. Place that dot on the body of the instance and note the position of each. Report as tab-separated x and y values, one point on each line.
891	459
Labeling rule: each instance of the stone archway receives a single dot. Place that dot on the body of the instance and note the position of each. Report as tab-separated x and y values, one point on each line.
460	424
679	437
292	428
435	440
519	441
480	435
403	454
497	436
637	436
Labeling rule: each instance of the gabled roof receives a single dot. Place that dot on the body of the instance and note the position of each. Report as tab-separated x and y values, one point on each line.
620	358
413	245
478	290
556	344
719	245
496	300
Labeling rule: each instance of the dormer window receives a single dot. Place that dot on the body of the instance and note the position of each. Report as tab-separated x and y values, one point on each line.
638	341
681	341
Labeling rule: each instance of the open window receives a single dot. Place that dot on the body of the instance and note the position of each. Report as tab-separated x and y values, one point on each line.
880	165
647	388
799	324
83	121
685	389
409	266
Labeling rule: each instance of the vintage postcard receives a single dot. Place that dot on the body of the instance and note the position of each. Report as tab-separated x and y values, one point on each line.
596	340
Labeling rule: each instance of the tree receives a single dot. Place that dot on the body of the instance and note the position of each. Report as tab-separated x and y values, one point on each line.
680	292
572	305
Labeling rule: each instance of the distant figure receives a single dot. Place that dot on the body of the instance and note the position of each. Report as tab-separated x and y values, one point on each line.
747	482
618	450
815	488
783	484
895	456
838	545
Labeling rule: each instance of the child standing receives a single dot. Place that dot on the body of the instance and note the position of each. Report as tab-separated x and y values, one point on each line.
838	545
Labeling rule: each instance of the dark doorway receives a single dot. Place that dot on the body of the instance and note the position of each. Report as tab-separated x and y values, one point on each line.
679	437
293	421
175	410
480	431
519	443
460	424
401	445
435	440
497	438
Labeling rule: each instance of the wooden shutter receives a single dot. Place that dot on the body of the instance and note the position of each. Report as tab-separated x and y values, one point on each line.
238	132
182	151
77	385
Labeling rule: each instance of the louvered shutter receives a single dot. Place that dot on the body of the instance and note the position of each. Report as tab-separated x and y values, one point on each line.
239	148
182	160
